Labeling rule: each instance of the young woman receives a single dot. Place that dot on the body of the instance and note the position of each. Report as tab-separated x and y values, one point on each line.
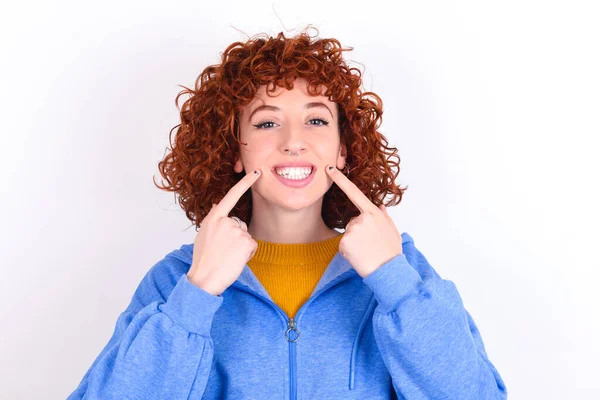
277	147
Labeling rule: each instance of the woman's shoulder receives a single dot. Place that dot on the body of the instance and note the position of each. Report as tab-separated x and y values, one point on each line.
160	280
417	259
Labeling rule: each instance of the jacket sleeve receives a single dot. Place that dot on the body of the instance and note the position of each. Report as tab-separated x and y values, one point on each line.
161	347
428	341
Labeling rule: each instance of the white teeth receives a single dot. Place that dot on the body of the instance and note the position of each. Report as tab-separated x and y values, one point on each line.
294	173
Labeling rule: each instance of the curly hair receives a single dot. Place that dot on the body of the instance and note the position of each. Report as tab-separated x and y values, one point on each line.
199	167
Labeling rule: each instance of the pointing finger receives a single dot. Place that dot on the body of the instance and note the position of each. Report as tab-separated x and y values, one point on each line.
355	195
234	194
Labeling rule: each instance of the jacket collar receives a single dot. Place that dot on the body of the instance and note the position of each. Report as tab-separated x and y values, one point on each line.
338	266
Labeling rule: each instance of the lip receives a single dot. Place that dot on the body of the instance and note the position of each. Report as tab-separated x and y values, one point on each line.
299	183
293	164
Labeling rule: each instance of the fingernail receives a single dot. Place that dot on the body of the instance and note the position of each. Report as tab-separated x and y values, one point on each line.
257	172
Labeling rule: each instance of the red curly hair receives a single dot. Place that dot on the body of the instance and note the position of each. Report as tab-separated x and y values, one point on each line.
200	165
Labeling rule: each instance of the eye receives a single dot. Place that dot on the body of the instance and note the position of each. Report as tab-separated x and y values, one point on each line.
262	124
324	122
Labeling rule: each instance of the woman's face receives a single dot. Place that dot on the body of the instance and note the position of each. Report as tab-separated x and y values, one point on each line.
290	120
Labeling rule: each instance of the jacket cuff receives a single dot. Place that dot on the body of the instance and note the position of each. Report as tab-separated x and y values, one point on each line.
392	282
191	307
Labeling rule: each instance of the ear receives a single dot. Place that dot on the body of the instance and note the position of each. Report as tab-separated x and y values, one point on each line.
341	159
238	166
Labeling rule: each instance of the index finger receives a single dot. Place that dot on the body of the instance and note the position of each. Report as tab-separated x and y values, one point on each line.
235	193
355	195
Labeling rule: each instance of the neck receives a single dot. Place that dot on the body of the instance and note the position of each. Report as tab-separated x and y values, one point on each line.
279	225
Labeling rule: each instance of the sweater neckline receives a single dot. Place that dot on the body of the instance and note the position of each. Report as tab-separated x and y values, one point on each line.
283	253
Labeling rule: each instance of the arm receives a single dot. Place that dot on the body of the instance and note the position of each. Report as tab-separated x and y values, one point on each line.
160	348
428	341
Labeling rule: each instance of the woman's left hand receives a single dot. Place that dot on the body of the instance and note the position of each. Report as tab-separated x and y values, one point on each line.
371	239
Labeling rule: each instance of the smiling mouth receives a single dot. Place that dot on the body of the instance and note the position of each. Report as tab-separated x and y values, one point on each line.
290	177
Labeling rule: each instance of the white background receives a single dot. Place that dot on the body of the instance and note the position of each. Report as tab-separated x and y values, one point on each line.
492	105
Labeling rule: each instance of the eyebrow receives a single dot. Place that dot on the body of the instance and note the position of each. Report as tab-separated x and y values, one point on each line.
275	108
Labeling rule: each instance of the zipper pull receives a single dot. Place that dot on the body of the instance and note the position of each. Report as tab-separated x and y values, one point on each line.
292	327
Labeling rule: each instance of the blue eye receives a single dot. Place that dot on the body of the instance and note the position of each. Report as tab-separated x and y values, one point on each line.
262	124
324	122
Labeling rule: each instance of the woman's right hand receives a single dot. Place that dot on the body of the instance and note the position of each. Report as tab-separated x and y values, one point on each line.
222	248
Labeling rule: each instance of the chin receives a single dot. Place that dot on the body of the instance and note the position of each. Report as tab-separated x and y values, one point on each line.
292	202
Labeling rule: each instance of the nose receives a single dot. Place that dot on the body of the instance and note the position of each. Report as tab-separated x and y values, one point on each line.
293	141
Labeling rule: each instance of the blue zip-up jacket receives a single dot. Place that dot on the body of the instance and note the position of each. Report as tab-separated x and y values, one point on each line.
400	333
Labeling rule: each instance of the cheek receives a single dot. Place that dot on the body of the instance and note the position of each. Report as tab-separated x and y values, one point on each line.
328	152
260	144
265	146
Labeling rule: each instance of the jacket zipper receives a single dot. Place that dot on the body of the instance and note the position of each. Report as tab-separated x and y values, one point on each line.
292	341
292	322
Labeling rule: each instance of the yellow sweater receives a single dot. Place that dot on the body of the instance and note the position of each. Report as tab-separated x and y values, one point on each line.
290	271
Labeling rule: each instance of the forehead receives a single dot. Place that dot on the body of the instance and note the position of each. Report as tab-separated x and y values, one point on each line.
298	93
